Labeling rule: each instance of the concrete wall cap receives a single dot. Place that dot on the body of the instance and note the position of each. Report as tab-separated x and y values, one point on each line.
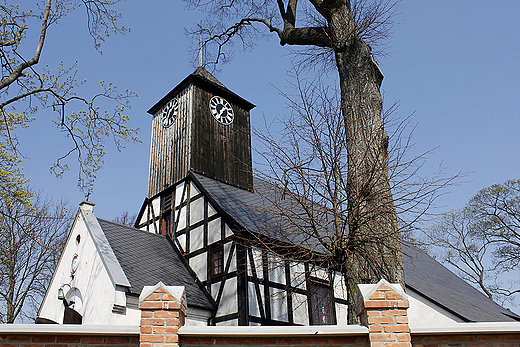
467	328
255	331
367	290
176	291
68	329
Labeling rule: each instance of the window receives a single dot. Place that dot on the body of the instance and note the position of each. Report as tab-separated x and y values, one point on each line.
321	304
217	262
166	227
166	208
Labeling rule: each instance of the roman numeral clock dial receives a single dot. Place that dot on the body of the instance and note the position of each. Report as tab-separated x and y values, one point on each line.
221	110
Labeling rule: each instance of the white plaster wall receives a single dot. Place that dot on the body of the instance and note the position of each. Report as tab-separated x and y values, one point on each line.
297	275
156	204
300	309
341	314
199	264
215	287
278	301
211	210
423	312
213	231
257	261
254	310
320	273
91	283
340	290
196	238
182	241
196	210
178	193
276	269
197	317
233	264
182	218
132	316
228	302
144	218
227	231
193	190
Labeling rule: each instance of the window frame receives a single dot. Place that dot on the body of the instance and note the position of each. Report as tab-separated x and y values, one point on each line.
317	317
217	250
166	228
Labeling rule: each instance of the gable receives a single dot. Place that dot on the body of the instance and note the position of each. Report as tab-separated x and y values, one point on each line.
87	276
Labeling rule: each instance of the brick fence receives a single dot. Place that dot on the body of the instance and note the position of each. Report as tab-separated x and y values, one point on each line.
325	336
32	335
467	340
382	309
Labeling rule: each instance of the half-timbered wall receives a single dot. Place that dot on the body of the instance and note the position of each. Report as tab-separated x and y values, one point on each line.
257	287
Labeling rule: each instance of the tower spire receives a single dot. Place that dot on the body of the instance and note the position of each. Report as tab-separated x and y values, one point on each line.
201	62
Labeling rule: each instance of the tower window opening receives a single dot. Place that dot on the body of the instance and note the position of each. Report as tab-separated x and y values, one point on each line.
167	223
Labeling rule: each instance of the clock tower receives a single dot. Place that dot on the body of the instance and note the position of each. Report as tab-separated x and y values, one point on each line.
204	127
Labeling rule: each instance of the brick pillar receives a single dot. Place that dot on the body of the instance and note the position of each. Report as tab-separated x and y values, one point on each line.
382	308
163	311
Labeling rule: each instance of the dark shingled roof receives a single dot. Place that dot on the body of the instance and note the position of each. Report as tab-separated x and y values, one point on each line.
202	77
148	258
432	280
423	274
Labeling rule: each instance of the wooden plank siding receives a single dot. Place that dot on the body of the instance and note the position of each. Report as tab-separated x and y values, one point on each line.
196	141
221	151
170	148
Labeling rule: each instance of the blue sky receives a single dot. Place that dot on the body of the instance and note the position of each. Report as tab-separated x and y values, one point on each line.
453	65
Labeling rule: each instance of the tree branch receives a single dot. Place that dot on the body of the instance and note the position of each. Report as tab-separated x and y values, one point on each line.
17	72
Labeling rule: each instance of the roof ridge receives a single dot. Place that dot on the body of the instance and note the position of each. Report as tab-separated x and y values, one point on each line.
129	227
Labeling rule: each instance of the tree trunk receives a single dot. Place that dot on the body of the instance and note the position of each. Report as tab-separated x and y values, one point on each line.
373	245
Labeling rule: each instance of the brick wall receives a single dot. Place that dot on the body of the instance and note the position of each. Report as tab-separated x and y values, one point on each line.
163	311
351	341
62	339
382	309
449	340
466	340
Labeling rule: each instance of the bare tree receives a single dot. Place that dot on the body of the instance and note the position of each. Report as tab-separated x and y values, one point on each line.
340	32
126	219
307	173
482	240
26	88
31	241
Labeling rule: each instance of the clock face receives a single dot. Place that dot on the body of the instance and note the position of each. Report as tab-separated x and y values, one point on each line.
221	110
169	112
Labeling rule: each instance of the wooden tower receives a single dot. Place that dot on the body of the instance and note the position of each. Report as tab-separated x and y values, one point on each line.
204	127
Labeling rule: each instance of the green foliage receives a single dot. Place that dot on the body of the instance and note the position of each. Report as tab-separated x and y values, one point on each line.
482	240
28	89
12	181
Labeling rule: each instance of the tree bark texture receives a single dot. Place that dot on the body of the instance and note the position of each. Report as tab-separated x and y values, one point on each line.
373	249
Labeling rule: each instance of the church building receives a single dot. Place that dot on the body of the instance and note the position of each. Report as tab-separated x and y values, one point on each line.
199	228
